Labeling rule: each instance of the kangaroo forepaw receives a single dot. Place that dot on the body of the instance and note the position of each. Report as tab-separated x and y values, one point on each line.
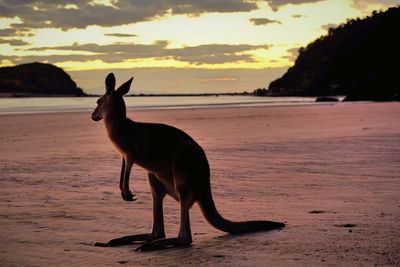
128	196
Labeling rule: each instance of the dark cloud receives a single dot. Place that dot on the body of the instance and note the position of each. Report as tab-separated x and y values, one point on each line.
107	53
297	16
59	14
48	59
13	42
329	26
15	31
204	6
202	54
363	4
263	21
135	49
7	32
213	53
292	54
120	35
276	4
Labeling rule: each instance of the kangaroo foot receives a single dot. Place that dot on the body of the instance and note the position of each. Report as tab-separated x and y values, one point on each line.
163	244
127	196
126	240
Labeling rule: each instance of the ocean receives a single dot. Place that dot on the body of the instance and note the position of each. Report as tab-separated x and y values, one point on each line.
61	104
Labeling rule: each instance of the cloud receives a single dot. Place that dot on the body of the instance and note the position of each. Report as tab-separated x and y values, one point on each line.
263	21
13	42
107	53
276	4
120	35
118	52
205	6
15	31
363	4
7	32
292	53
298	16
329	26
214	53
59	14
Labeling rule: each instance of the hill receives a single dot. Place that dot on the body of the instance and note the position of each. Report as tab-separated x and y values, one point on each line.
358	59
36	79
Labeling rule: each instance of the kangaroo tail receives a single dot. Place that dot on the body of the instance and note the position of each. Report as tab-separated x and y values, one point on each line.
211	214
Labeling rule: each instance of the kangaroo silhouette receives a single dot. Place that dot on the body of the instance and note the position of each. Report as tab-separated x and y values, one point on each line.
176	165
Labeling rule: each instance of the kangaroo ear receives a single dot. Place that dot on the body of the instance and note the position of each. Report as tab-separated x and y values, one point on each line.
124	89
110	83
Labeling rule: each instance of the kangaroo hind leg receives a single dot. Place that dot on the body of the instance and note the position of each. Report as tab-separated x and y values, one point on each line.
185	235
158	194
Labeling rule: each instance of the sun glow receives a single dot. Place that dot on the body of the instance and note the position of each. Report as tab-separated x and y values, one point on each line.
210	40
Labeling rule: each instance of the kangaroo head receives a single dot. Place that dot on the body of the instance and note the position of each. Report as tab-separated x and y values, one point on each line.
111	104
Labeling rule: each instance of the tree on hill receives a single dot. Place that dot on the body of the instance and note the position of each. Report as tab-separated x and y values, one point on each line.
37	79
358	59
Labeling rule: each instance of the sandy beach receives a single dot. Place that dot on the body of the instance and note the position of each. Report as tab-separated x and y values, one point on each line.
331	172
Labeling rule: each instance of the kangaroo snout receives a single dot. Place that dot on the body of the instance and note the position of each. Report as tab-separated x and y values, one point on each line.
95	117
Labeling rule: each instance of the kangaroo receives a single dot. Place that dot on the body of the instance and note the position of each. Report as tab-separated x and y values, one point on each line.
176	165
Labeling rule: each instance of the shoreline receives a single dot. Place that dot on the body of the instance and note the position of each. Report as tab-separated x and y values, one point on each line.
78	104
189	107
251	101
172	108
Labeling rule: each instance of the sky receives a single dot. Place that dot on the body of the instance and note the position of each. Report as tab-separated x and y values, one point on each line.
170	46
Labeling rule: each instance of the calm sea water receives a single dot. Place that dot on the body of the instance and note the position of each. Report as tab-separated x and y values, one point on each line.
60	104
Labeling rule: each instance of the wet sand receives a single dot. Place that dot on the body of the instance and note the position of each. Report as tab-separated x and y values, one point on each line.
331	172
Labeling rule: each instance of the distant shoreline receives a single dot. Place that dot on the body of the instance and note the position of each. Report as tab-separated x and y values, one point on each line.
21	95
56	104
12	95
27	95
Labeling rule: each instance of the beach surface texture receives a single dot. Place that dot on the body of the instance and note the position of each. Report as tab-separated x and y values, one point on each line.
331	172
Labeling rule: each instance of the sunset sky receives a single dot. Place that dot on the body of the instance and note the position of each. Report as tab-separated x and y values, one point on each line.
170	46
